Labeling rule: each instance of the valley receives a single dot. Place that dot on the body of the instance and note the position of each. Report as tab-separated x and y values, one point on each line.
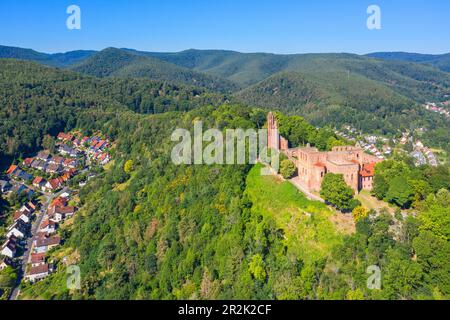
147	228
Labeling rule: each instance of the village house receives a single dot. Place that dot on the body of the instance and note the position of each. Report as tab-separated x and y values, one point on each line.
9	248
45	242
68	151
37	273
43	155
57	160
104	159
39	183
23	216
353	163
77	142
18	229
37	259
53	168
28	208
39	165
67	137
48	226
15	172
12	169
53	185
20	188
59	202
25	176
70	163
59	213
27	162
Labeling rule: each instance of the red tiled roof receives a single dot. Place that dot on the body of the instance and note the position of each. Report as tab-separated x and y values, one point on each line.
41	242
65	136
64	210
46	223
28	161
18	214
11	169
38	180
55	183
58	159
59	202
368	170
39	269
37	257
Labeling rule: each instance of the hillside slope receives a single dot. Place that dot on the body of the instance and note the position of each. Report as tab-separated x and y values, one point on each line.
440	61
55	60
36	100
113	62
331	99
415	81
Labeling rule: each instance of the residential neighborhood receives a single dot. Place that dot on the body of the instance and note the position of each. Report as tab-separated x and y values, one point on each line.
42	187
383	147
438	108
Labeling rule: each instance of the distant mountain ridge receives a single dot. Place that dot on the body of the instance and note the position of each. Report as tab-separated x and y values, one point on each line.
61	60
112	62
373	93
440	61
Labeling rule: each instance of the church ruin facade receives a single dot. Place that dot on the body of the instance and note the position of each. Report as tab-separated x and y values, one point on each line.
356	166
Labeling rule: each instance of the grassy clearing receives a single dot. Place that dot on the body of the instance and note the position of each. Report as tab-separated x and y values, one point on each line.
370	202
308	227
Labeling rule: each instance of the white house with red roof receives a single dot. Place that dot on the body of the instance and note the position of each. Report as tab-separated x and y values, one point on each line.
37	273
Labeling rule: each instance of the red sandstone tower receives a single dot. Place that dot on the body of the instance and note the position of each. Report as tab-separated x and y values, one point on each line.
274	140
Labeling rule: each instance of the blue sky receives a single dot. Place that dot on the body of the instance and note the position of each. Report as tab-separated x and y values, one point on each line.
283	26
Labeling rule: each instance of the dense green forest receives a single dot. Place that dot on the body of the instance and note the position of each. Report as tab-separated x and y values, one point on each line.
440	61
60	60
154	230
38	100
382	96
113	62
331	99
204	232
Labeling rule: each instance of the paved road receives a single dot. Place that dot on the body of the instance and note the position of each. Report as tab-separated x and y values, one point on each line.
34	230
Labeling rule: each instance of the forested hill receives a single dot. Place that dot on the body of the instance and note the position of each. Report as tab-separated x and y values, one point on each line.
153	230
55	60
401	72
440	61
415	81
331	99
374	95
113	62
36	100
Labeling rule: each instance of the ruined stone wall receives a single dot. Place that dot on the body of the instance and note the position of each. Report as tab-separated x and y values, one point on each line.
312	165
349	171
